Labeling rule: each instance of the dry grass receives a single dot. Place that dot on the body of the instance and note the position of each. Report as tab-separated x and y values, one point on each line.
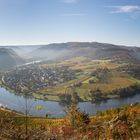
115	82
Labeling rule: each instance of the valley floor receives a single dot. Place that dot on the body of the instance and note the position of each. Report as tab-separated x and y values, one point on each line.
81	75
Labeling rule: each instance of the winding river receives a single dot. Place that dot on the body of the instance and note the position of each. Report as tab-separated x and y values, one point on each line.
54	109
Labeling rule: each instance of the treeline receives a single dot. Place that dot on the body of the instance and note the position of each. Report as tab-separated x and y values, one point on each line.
128	91
102	75
131	69
69	98
98	96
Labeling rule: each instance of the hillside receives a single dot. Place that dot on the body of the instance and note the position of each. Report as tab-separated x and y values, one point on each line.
9	58
92	50
116	124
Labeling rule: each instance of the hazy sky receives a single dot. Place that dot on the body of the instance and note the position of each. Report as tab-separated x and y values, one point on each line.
47	21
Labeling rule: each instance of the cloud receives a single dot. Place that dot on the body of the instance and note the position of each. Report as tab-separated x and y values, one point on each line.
70	1
73	15
125	9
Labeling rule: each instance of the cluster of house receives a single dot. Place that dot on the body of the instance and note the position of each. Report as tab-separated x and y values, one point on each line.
36	78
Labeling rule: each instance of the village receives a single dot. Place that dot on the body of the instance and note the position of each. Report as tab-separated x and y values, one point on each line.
33	78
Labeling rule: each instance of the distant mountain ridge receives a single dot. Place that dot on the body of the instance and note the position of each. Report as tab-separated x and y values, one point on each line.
92	50
9	58
12	55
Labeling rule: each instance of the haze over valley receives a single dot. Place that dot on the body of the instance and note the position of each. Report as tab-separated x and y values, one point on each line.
69	70
48	72
64	51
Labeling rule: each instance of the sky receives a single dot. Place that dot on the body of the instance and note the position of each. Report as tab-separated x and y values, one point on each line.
34	22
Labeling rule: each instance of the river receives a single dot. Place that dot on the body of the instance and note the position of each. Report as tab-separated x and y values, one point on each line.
54	109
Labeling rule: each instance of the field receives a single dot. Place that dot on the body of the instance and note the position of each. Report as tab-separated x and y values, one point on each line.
90	75
84	67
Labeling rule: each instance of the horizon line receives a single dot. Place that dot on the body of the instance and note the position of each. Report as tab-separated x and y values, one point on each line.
16	45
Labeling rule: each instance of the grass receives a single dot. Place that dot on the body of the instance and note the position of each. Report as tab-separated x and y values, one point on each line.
62	88
91	78
134	79
114	83
83	91
124	120
117	80
86	65
94	64
49	122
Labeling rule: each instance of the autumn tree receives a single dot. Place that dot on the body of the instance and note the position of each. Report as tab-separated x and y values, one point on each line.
77	118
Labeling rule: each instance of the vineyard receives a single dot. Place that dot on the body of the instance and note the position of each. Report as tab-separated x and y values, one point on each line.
116	124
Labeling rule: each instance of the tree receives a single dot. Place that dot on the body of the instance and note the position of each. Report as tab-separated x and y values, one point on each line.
76	118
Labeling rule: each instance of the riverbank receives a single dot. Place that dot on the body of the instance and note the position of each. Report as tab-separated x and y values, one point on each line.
55	109
94	97
9	111
110	124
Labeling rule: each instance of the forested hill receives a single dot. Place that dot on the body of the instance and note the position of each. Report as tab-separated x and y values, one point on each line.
9	58
64	51
92	50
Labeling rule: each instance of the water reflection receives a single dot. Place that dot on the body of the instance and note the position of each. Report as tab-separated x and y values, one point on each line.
56	109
